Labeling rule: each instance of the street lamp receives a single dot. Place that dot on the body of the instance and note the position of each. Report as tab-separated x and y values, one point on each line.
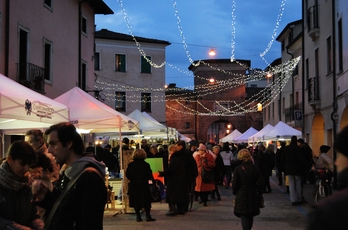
212	52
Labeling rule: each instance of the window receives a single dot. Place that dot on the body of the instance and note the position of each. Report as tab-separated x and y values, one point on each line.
145	102
307	74
96	61
48	60
283	110
328	55
83	76
340	46
272	109
145	65
48	4
120	101
120	63
23	54
187	125
84	25
316	63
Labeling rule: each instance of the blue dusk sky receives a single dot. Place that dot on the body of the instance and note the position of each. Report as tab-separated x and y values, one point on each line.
205	24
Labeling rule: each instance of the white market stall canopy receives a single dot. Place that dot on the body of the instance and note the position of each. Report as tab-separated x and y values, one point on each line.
149	127
244	137
183	137
233	135
23	108
259	135
86	112
282	131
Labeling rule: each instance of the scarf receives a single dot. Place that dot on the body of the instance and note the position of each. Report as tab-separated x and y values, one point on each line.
10	181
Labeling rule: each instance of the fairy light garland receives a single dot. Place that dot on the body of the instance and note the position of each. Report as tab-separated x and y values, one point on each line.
271	91
233	30
274	34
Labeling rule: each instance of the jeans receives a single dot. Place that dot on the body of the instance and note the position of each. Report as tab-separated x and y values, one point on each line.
295	188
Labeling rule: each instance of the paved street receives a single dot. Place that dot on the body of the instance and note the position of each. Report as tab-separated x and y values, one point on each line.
278	214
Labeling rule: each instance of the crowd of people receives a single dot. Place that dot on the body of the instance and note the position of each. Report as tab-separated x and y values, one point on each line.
48	180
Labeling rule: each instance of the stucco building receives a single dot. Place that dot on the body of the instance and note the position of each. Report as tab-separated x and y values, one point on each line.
127	80
207	113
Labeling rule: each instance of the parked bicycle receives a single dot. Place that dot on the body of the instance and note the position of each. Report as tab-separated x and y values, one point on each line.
323	184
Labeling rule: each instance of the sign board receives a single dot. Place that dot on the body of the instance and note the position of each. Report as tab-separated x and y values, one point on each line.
298	115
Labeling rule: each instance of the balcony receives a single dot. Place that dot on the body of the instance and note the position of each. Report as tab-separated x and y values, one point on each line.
290	114
313	21
31	76
314	92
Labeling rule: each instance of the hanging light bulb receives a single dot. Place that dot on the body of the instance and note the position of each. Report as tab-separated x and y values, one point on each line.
212	52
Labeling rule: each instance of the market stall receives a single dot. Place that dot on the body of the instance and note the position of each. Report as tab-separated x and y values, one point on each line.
22	109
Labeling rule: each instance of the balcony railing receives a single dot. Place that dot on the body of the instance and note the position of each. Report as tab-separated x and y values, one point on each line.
290	112
31	76
313	91
313	21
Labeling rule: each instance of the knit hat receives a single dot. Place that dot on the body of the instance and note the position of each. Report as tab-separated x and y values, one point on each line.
324	148
341	142
202	147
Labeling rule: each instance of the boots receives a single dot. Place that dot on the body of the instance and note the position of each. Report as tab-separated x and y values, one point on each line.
137	211
149	218
139	218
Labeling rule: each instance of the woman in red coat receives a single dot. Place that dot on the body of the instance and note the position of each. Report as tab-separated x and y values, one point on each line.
206	160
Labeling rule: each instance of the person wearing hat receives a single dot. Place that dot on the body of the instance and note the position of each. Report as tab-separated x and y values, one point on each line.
332	212
206	160
323	161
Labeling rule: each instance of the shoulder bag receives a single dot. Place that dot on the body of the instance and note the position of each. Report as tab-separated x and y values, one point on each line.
207	175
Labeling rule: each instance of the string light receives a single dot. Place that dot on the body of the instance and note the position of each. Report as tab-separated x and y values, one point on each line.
263	98
233	30
274	34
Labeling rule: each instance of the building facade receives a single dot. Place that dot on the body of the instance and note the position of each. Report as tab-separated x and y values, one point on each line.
316	96
208	112
126	79
48	46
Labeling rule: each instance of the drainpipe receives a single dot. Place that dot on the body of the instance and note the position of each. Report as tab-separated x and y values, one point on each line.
303	72
292	78
7	38
79	44
334	105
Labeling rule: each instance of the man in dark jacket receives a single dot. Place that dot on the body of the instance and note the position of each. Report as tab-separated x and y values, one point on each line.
78	199
294	166
332	212
191	171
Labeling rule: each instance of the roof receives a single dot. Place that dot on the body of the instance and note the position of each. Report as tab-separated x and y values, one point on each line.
107	34
219	61
100	7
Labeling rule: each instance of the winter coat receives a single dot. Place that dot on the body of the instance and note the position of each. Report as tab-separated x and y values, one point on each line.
246	183
139	173
17	209
175	176
267	161
219	168
293	159
207	161
83	205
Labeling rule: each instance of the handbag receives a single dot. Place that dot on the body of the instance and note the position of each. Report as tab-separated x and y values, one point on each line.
154	191
260	199
207	175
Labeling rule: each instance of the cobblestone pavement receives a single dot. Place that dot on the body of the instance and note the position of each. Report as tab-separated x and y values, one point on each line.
278	214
